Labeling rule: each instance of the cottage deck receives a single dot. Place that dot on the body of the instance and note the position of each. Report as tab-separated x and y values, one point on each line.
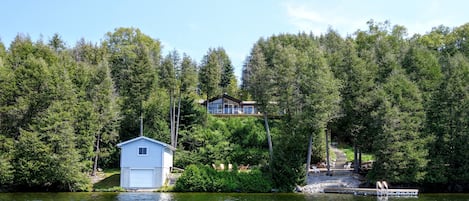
373	191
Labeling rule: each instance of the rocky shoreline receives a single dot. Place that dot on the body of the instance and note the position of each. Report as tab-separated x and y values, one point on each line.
317	183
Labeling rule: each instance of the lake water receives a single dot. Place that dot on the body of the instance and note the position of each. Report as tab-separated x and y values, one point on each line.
215	197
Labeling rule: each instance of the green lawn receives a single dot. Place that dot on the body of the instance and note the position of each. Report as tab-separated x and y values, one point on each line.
349	153
111	181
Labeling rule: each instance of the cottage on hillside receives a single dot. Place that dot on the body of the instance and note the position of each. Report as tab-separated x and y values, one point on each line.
229	105
145	163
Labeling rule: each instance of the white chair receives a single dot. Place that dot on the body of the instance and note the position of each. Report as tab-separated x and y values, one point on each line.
347	165
316	170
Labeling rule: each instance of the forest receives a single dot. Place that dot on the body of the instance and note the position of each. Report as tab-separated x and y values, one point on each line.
404	98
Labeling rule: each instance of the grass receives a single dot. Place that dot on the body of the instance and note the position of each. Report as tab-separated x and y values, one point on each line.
111	181
349	153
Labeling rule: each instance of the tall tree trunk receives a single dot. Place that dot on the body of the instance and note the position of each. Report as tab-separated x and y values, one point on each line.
95	164
355	158
177	122
174	121
359	159
308	157
269	141
171	123
206	105
327	152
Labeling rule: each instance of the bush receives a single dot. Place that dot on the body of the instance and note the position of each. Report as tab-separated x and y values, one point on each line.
206	179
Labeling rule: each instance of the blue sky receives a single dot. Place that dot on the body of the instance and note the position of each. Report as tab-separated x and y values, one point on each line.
194	26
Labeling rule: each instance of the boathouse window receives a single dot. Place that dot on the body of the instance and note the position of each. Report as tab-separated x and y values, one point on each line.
142	151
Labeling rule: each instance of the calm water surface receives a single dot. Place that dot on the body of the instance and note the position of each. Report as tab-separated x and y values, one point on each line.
214	197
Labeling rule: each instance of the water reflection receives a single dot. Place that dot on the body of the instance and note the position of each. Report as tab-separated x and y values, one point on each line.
382	198
144	196
150	196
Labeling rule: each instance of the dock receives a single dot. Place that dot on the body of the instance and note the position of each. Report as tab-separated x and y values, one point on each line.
373	191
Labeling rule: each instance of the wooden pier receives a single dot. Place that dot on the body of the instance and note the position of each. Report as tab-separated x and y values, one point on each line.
373	191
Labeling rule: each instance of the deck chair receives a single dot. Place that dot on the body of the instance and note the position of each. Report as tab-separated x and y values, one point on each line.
316	170
347	165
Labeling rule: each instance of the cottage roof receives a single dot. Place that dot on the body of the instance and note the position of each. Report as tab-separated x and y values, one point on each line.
224	96
148	139
248	102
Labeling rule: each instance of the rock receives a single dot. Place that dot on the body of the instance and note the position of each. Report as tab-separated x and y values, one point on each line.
298	189
317	184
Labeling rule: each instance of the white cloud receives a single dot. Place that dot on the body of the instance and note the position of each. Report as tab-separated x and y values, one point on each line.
300	13
418	16
306	17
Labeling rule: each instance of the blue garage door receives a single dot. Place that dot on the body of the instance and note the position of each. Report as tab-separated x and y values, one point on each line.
141	178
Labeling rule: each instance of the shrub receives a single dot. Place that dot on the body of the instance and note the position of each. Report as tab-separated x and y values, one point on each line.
206	179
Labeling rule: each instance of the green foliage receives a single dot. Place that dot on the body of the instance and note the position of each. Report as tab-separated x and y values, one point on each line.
210	74
6	167
291	70
224	140
399	147
404	100
189	76
448	124
133	58
288	168
206	179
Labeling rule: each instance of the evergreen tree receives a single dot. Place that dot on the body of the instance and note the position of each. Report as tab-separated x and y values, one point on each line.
55	162
105	105
8	90
56	43
31	95
31	160
353	125
134	59
209	75
2	50
88	52
399	146
448	123
423	68
258	80
188	76
6	157
228	82
320	97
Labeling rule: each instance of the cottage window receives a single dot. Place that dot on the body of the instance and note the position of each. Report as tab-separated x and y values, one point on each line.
142	151
248	110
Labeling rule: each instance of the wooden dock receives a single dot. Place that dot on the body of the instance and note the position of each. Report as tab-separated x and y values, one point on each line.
373	191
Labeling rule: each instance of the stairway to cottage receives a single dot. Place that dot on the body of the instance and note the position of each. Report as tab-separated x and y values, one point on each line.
341	176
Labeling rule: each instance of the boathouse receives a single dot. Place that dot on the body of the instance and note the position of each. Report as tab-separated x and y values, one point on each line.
145	163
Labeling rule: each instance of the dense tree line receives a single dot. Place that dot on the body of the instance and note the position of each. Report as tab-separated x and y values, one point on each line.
403	98
63	110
